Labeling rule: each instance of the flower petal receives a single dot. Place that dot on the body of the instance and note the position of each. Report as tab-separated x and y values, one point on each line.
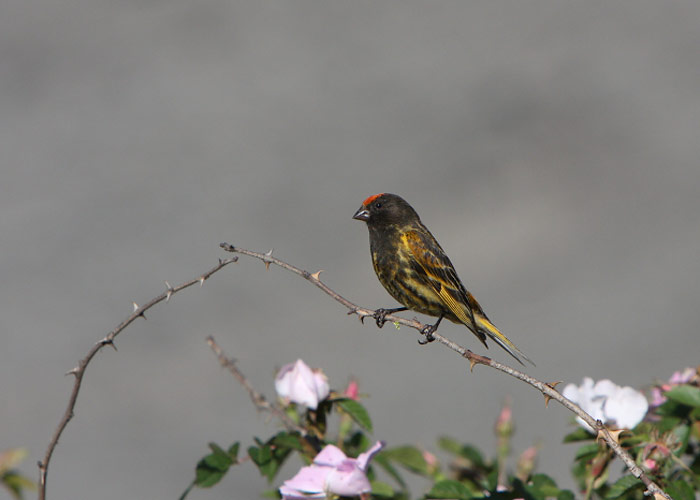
364	458
348	481
627	408
330	455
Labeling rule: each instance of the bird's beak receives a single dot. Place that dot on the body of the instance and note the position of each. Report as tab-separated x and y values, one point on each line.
362	214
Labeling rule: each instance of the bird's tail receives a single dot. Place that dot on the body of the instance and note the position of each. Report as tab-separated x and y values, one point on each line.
484	325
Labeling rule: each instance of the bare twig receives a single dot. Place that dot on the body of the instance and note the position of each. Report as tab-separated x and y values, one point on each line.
547	389
79	371
260	402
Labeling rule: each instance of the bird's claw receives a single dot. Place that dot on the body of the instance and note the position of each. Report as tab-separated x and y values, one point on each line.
380	317
428	332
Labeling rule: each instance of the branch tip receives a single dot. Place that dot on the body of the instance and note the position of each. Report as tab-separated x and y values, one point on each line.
79	370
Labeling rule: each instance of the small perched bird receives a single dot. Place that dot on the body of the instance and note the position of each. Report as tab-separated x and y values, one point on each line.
415	270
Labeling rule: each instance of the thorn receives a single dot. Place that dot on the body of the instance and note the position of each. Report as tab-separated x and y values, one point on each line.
472	360
74	371
615	435
267	262
201	281
317	274
109	341
169	290
136	306
547	397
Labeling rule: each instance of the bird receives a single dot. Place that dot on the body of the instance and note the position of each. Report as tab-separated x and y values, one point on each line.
415	270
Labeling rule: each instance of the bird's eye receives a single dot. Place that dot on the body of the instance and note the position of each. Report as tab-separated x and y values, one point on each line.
378	205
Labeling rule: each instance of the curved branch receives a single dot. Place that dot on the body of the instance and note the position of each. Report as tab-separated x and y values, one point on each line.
547	389
79	371
259	400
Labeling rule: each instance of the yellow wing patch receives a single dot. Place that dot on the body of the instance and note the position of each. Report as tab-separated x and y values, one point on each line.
429	263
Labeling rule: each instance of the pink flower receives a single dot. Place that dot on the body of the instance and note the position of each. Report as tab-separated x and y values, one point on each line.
650	464
678	378
504	423
298	383
353	390
682	377
608	402
331	473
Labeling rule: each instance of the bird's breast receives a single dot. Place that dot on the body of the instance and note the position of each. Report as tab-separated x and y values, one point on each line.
396	270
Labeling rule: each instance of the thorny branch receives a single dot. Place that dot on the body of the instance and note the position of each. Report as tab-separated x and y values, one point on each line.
260	402
547	389
79	370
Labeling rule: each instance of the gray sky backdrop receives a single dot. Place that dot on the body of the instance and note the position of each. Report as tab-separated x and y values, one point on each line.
552	147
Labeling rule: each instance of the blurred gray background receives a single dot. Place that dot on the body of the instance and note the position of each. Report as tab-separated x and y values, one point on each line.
552	147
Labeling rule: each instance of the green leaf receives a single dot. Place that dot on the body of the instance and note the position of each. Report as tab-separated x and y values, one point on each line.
409	457
672	409
682	433
587	451
685	394
543	484
450	488
288	440
211	468
668	423
580	434
449	444
357	412
382	461
218	462
622	486
463	450
565	495
381	489
233	451
680	490
206	477
219	459
260	456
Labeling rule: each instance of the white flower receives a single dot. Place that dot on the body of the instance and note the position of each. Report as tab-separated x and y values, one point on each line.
624	407
298	383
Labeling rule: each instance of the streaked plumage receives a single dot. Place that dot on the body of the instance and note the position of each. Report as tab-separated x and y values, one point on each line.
415	270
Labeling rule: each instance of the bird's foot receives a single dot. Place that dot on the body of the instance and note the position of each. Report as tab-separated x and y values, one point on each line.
428	332
381	313
380	316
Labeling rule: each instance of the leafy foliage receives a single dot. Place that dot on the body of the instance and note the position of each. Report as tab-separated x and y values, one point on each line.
666	445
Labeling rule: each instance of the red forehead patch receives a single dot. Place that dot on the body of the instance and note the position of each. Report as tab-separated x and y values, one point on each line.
371	199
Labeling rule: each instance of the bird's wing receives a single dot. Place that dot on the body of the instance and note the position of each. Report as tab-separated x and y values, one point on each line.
441	275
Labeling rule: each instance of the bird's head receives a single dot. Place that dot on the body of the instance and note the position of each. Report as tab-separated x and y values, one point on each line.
385	209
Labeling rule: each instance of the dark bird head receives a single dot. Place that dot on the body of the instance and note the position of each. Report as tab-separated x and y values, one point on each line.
386	209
